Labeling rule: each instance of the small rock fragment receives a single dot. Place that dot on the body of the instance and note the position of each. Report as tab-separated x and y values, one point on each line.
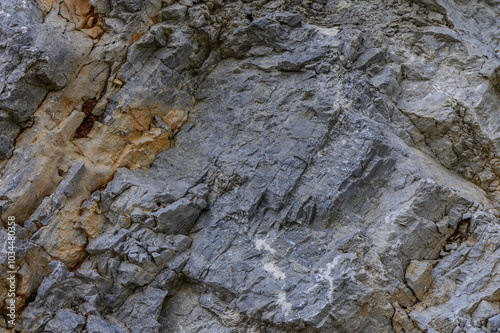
117	82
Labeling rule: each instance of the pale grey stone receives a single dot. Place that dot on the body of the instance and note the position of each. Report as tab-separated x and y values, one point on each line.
69	186
485	310
494	322
174	12
106	242
65	321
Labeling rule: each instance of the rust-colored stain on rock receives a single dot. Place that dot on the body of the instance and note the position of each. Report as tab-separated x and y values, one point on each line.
90	119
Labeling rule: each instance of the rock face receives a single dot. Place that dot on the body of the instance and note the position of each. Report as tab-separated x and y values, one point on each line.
251	166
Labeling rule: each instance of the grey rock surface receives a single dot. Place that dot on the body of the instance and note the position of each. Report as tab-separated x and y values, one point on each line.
251	166
65	321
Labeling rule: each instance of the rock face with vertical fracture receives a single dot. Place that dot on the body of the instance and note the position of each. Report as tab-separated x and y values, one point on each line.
251	166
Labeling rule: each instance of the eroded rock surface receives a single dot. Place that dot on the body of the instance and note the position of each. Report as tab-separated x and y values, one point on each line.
251	166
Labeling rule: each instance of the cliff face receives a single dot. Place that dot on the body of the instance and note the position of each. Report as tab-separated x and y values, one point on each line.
251	166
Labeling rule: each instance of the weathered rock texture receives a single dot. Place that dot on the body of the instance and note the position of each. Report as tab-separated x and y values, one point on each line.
252	166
